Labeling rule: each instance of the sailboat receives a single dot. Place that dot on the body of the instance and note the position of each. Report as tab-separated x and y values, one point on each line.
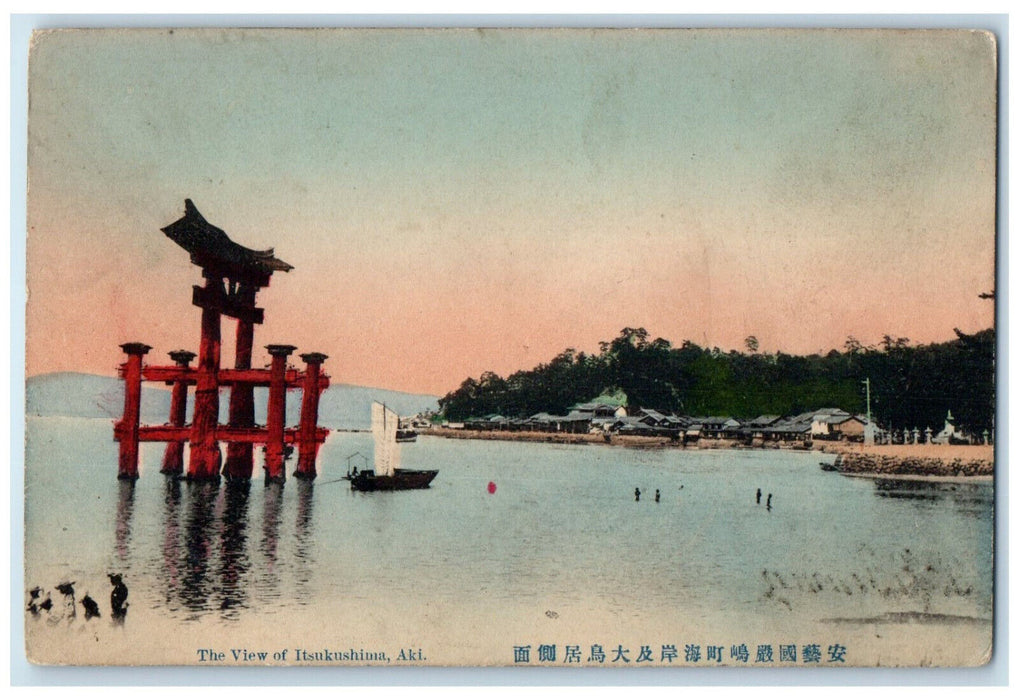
387	475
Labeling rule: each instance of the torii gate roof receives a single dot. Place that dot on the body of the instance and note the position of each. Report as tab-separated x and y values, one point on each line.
210	247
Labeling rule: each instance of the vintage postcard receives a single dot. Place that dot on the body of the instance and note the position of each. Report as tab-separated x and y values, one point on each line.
610	348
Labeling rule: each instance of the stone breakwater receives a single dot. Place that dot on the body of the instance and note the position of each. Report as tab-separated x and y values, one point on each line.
865	463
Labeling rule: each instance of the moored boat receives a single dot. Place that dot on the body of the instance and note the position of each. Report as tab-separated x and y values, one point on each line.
387	475
399	480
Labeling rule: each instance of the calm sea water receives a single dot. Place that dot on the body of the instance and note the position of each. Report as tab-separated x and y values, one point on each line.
562	536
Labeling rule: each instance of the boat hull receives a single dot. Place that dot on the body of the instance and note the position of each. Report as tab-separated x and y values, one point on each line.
402	480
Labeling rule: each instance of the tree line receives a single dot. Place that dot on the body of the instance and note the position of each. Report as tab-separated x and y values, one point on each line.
910	385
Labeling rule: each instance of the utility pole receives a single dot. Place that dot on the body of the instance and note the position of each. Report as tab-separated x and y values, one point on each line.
866	383
868	430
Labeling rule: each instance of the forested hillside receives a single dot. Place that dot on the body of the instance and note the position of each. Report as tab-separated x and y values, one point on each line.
911	385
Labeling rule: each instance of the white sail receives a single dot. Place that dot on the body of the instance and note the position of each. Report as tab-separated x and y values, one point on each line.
385	421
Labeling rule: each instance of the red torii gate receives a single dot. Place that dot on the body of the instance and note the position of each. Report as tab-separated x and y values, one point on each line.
233	275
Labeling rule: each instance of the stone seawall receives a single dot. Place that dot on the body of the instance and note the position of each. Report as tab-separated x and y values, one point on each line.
864	463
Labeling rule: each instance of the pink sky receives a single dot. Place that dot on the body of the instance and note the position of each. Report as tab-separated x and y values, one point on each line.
459	204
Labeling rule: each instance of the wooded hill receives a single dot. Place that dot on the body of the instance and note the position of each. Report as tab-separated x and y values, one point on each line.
911	385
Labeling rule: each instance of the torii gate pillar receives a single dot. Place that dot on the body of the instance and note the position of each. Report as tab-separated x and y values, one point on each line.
239	455
173	457
274	447
307	444
205	455
127	429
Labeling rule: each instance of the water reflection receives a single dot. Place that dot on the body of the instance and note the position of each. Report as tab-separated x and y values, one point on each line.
303	540
905	489
234	560
268	584
968	498
125	511
207	557
170	574
199	524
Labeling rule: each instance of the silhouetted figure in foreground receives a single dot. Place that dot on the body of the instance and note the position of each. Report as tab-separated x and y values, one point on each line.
34	594
769	501
91	607
636	494
658	496
118	598
758	496
67	589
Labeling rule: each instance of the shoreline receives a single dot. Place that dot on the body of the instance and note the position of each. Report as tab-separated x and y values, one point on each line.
630	441
915	462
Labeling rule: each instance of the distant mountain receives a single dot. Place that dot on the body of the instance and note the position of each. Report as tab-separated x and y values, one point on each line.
349	406
91	396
